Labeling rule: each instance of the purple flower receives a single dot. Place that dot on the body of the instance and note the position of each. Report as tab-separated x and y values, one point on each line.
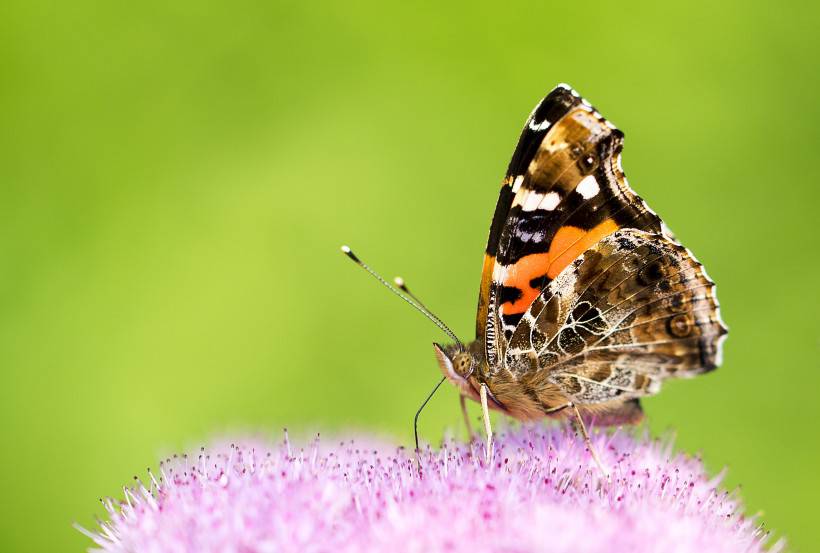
541	492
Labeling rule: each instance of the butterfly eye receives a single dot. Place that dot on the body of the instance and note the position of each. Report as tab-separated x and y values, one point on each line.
462	363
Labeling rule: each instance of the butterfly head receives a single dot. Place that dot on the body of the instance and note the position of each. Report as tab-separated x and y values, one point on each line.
457	363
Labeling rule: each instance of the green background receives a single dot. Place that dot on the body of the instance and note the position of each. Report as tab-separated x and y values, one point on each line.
176	181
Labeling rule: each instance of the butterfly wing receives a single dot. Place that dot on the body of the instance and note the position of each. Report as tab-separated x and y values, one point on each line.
564	191
634	309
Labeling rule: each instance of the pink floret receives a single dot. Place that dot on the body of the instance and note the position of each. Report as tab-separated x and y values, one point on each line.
541	492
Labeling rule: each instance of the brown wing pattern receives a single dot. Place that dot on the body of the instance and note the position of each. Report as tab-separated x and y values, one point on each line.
634	309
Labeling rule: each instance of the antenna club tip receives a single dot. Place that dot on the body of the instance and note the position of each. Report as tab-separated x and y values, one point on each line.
349	253
398	281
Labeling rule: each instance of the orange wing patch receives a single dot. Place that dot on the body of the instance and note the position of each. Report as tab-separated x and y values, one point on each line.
569	242
519	276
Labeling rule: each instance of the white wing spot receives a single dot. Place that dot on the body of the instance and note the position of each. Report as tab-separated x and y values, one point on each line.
517	183
539	126
588	187
531	202
551	201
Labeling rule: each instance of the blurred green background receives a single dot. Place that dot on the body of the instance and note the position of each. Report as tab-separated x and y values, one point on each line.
176	181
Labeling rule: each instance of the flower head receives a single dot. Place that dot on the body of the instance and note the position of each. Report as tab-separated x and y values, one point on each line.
540	492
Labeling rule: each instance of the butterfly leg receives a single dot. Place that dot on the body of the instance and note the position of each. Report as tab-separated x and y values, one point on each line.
463	401
579	423
487	427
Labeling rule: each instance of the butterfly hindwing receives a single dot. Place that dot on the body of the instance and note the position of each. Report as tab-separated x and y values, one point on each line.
634	309
563	192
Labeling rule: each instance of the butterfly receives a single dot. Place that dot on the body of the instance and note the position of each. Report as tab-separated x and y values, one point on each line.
587	302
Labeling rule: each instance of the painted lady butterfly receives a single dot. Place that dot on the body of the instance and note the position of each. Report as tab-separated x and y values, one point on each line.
587	302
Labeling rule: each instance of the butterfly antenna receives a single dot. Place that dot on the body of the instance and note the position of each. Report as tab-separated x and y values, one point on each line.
408	297
401	285
423	405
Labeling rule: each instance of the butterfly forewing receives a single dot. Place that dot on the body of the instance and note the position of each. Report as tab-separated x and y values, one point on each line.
563	192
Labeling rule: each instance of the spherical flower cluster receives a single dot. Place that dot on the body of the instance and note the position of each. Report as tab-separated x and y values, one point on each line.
541	491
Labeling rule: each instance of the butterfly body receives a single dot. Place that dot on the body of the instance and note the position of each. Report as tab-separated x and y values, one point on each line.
529	397
586	300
